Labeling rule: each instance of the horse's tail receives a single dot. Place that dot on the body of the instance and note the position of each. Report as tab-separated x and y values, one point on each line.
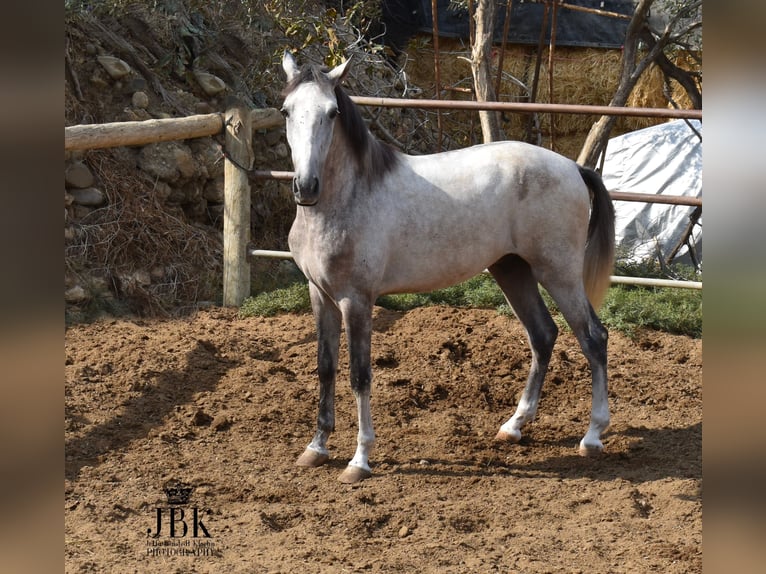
599	251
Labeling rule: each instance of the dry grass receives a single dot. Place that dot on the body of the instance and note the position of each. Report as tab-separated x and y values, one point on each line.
138	250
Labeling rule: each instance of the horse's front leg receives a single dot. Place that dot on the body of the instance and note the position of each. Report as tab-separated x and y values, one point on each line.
357	315
328	323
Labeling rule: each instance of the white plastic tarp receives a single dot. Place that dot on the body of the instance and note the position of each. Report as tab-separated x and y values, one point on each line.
663	160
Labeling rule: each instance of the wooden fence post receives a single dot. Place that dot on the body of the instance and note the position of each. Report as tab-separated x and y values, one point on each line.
236	215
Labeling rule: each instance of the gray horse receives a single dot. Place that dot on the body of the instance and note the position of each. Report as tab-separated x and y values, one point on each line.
371	221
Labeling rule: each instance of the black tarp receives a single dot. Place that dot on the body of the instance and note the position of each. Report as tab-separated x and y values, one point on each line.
404	18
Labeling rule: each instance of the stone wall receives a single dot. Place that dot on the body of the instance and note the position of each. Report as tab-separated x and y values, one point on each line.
162	192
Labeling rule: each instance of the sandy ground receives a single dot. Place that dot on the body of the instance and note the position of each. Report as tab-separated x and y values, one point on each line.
225	405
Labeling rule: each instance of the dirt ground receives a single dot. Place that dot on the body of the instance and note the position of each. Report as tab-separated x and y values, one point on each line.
226	405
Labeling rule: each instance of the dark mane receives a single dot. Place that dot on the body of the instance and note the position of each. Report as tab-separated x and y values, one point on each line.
370	153
373	157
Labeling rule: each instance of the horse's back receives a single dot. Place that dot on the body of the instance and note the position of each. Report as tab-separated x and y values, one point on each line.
509	168
494	187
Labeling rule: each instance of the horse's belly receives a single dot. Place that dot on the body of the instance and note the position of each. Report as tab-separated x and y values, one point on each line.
411	269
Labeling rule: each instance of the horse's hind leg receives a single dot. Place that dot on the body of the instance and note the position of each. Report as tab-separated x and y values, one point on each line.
574	305
328	322
515	278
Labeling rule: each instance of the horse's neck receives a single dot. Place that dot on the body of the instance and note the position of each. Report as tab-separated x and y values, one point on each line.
343	175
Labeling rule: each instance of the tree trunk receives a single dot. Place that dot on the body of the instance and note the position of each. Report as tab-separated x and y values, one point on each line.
595	142
481	69
684	78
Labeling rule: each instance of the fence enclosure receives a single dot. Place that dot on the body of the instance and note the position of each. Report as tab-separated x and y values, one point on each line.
238	123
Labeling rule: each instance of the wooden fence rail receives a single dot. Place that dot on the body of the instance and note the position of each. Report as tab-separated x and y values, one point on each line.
96	136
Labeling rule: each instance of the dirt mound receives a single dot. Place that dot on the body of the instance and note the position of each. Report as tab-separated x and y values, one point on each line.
226	405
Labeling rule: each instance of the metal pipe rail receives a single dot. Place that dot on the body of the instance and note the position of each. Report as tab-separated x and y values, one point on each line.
654	198
526	107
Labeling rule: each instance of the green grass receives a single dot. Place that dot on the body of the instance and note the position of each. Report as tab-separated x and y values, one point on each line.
627	308
479	292
291	299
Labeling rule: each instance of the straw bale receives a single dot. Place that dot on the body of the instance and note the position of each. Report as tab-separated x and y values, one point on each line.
647	94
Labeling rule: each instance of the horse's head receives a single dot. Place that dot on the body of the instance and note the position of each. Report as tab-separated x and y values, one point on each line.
310	109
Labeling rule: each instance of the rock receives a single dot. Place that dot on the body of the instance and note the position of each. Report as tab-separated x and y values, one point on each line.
177	196
75	294
214	190
90	196
162	190
129	115
404	531
115	67
140	100
210	84
203	108
81	211
273	137
221	423
167	161
142	277
135	115
281	151
208	154
78	175
187	167
192	191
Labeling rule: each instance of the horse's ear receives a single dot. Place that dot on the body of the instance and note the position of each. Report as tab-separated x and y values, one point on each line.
290	66
339	72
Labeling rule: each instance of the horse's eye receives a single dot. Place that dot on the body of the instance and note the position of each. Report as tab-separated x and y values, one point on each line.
284	112
333	113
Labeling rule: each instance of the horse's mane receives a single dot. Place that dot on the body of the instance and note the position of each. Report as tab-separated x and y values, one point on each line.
375	158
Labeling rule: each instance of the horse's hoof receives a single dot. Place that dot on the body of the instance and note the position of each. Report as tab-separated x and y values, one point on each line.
354	474
312	458
512	437
590	449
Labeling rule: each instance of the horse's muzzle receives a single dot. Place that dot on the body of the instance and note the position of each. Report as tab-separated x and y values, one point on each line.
306	192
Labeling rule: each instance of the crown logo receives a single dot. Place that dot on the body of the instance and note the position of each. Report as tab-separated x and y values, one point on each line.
178	492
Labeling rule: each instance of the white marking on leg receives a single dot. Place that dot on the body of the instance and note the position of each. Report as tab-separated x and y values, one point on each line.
599	418
319	443
525	412
366	436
